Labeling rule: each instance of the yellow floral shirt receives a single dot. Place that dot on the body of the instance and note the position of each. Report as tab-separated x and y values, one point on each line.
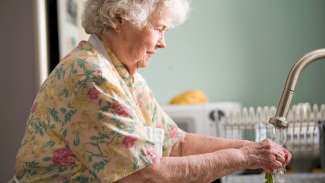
89	122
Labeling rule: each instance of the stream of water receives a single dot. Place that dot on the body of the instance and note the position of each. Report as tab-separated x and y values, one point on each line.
279	136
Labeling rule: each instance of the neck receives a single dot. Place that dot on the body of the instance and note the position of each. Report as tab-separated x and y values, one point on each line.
111	42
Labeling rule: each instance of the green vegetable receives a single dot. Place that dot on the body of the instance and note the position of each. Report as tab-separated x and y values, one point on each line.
268	178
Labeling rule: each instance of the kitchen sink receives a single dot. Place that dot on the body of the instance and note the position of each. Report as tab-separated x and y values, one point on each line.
288	178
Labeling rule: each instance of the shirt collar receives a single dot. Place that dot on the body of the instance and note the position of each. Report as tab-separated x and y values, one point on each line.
110	56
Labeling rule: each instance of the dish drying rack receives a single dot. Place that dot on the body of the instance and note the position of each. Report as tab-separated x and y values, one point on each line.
302	136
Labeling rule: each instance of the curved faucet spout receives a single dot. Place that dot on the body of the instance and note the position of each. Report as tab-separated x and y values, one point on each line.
279	120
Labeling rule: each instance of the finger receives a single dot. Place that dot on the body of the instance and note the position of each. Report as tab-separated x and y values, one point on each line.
272	166
277	154
280	158
289	156
266	142
276	165
271	163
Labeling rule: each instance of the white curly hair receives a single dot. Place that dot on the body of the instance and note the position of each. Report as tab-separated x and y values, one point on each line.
101	15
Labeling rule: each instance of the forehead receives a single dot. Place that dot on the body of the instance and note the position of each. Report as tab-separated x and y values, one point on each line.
160	17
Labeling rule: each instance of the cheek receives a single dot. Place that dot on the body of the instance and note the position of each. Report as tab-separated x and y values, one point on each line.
144	44
151	40
137	50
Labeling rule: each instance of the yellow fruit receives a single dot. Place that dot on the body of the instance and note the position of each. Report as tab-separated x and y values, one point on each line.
189	97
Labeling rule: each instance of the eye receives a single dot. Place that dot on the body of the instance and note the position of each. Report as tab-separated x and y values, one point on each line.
161	29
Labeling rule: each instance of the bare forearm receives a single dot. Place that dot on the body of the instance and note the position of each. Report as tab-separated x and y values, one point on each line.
198	144
204	168
201	168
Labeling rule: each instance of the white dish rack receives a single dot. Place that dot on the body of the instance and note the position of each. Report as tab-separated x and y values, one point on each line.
301	137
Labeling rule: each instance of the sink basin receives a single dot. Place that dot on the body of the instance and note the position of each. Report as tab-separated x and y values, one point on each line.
288	178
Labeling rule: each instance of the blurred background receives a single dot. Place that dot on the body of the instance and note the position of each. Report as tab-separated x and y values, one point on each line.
242	51
231	50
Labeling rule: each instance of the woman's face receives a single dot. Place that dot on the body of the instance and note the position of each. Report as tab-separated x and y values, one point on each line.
134	46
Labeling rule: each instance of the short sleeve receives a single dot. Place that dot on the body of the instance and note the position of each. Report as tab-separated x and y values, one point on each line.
159	118
173	133
105	133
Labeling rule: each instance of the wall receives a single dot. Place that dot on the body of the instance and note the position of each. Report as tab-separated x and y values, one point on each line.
16	77
242	51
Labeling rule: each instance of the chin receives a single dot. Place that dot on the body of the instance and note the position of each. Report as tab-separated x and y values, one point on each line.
143	64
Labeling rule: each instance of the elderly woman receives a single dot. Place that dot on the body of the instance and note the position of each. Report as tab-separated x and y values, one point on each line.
96	120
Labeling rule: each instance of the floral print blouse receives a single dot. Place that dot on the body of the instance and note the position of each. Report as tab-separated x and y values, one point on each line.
89	122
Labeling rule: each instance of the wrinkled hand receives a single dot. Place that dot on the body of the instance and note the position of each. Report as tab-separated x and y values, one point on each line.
266	155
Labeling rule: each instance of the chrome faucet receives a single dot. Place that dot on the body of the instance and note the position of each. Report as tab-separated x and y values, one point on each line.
279	120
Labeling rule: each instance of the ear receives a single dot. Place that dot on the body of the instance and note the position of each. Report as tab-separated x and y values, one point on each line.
119	21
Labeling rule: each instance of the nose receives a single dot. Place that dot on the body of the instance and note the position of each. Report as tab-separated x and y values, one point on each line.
161	42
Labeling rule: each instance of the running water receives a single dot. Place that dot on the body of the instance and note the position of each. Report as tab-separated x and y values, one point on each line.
279	136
